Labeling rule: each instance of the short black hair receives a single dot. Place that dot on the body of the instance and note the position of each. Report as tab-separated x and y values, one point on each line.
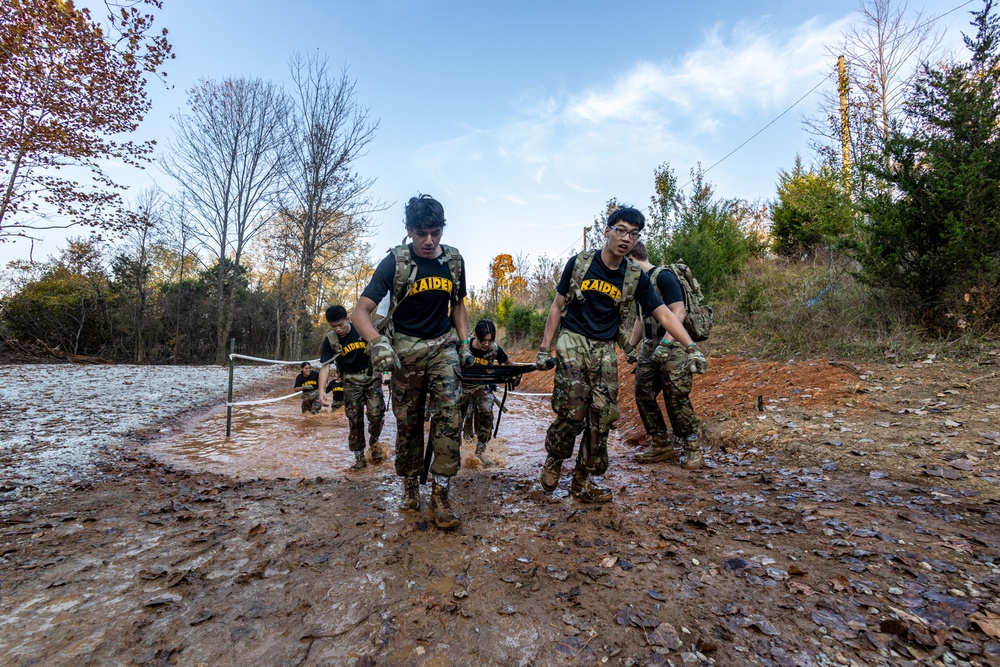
336	313
639	251
484	328
627	214
304	364
424	212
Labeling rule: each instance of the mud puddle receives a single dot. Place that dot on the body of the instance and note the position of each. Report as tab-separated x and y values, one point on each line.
275	440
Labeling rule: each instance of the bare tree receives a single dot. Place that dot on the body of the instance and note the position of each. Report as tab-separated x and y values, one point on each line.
882	51
132	265
327	201
228	157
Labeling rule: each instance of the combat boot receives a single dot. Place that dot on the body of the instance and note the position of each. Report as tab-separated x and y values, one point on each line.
661	450
693	458
481	454
411	494
586	490
377	454
439	508
550	474
359	460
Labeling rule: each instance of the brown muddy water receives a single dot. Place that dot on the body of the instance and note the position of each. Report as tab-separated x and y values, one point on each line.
275	440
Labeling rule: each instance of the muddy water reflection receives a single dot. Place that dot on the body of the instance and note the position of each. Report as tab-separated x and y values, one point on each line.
277	440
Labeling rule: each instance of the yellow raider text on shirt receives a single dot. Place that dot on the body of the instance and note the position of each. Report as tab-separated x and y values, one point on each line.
602	287
350	347
431	283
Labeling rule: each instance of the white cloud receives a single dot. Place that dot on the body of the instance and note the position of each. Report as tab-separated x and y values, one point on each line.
592	141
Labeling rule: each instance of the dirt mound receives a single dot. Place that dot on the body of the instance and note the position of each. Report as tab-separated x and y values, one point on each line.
733	385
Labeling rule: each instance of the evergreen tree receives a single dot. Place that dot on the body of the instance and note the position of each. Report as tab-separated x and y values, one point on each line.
934	236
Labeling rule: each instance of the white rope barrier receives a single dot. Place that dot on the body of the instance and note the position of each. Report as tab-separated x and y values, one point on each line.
265	400
271	361
521	393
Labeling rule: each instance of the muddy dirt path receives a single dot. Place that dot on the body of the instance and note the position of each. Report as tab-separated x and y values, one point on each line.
852	521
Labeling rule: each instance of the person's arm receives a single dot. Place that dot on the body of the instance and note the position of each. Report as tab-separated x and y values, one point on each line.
361	317
553	321
324	372
636	332
673	326
460	320
298	382
677	308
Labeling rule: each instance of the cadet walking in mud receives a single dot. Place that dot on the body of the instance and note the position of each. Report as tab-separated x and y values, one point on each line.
672	375
594	297
362	385
477	399
426	283
307	381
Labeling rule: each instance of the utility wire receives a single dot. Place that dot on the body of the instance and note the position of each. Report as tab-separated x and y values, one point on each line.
757	133
926	23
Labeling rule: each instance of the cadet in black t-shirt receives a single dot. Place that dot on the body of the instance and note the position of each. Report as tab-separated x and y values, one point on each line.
585	395
346	349
671	375
307	381
477	399
421	354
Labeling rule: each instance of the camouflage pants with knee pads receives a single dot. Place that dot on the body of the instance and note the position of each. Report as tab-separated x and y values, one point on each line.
674	379
585	400
427	379
363	393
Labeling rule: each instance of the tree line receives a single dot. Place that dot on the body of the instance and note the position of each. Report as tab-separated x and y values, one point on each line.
270	220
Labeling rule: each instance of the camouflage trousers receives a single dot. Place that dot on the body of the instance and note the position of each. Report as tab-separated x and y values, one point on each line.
674	379
427	378
477	412
310	402
361	392
585	399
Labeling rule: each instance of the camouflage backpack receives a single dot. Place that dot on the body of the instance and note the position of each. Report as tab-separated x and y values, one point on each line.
406	274
626	301
698	319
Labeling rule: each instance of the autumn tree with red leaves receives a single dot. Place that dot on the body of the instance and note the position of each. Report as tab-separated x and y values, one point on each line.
71	89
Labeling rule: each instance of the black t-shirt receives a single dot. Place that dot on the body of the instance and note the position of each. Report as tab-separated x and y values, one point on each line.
479	356
425	312
670	290
310	383
598	318
353	356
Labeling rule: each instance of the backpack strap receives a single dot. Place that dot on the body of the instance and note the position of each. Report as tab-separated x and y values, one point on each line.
626	302
403	278
334	340
454	259
580	267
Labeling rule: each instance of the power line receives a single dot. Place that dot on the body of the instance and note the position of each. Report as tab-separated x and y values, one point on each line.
773	121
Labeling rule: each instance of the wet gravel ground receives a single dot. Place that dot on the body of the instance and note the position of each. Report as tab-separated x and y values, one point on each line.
56	418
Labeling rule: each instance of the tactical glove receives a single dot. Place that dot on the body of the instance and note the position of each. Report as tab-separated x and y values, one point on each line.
632	356
544	360
661	354
382	355
465	356
696	360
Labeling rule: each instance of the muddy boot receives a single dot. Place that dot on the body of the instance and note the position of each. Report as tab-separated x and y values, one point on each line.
411	494
693	458
586	490
439	508
550	474
481	454
377	454
661	450
359	460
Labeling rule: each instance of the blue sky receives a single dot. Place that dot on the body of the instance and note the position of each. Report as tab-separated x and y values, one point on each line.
524	118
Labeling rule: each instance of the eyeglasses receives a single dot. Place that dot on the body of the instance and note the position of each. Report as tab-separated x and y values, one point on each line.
633	234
